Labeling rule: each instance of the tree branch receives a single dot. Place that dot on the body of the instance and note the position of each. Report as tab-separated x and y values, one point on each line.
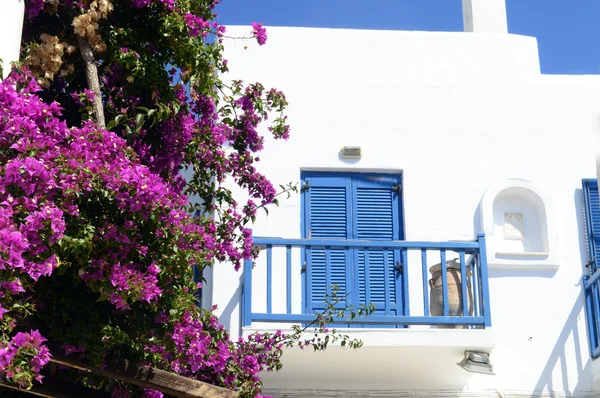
91	75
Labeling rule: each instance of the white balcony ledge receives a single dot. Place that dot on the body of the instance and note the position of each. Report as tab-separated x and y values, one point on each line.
468	339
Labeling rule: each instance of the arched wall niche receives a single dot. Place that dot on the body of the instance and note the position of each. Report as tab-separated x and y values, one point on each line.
517	218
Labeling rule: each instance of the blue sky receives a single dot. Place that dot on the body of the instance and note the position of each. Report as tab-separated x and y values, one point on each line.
568	31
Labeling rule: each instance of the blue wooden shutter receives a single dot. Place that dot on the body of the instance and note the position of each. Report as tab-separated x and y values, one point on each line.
327	202
376	217
592	210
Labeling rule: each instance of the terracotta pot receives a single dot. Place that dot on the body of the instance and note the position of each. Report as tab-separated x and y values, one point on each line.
455	300
12	13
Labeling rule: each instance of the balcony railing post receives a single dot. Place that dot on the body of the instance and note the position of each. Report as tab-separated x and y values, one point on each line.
269	279
247	294
485	289
406	298
591	315
425	283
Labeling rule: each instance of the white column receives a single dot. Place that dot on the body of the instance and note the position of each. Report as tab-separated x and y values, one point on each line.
12	13
485	16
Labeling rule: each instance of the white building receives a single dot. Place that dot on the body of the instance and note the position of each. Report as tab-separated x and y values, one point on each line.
466	151
459	134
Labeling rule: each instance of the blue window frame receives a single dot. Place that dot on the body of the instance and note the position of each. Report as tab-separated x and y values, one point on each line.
364	206
592	210
591	200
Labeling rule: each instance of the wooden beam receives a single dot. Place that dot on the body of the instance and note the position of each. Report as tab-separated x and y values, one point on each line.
149	377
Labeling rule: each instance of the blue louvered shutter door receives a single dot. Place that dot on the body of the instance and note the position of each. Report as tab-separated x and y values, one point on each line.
376	218
592	210
327	206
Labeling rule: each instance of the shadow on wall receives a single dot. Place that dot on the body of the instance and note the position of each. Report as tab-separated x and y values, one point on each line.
558	356
227	313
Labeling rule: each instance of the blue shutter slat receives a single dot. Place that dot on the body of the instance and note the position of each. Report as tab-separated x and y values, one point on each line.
374	221
337	274
374	218
328	218
328	213
376	277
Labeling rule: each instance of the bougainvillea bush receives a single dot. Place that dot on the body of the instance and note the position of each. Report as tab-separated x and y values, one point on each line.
98	251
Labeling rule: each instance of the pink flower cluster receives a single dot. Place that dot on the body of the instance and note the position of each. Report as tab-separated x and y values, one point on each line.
34	7
259	33
168	4
196	25
202	349
48	171
49	174
24	352
52	178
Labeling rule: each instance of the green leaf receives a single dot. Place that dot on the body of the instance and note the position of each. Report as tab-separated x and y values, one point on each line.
139	121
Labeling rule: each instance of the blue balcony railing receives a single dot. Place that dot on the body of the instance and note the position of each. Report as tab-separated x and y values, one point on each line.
277	285
591	286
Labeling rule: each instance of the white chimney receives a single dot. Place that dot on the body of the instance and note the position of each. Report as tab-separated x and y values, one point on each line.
598	159
485	16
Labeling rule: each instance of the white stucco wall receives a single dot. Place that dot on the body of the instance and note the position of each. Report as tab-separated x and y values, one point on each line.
455	113
11	26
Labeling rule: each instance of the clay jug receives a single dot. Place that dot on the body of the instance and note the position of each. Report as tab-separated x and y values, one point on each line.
455	300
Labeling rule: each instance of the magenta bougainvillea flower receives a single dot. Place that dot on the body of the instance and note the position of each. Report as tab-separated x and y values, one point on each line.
259	33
